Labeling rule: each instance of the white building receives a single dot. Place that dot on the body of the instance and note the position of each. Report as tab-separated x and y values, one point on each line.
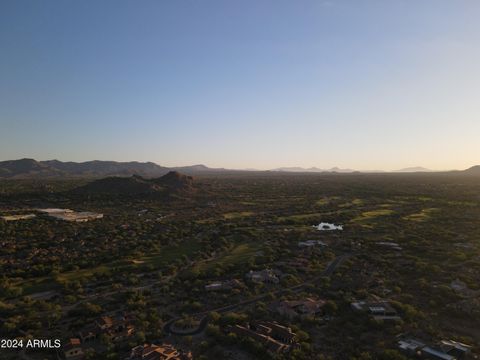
70	215
18	217
323	226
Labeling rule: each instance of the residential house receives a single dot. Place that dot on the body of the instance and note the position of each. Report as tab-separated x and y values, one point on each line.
435	354
411	347
267	276
455	348
274	337
275	330
118	327
158	352
72	350
443	350
379	310
308	308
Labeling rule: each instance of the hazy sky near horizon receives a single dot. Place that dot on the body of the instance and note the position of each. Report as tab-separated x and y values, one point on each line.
371	84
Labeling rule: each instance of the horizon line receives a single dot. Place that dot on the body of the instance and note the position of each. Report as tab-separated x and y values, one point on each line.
293	168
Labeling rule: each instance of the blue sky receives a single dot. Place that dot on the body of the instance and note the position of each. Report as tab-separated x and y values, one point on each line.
366	84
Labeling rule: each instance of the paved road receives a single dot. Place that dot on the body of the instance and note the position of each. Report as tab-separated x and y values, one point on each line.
167	328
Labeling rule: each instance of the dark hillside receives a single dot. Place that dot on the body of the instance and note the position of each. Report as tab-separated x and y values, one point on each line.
172	182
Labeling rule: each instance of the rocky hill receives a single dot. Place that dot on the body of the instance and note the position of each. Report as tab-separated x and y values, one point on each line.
474	170
175	181
172	182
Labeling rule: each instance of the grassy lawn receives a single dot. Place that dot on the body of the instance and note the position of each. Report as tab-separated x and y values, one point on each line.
239	254
354	202
422	216
48	283
169	254
237	215
313	218
373	214
326	200
299	217
164	257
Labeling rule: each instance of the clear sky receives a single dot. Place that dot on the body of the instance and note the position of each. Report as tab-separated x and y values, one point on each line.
371	84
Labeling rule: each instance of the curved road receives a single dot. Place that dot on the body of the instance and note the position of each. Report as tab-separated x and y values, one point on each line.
204	314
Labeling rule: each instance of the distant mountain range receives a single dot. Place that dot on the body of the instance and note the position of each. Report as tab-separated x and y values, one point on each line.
414	169
30	168
313	169
339	170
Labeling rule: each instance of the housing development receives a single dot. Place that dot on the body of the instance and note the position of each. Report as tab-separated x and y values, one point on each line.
245	266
